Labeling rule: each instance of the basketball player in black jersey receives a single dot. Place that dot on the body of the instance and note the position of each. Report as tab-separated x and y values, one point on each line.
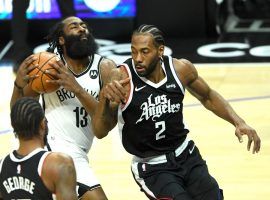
30	172
150	88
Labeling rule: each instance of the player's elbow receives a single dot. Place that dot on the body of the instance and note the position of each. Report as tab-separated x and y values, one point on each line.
101	136
102	128
100	132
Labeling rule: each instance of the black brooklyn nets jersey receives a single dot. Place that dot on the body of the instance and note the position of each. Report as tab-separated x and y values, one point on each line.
152	119
20	177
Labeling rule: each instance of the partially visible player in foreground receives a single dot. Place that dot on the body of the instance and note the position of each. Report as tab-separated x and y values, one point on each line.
30	172
150	89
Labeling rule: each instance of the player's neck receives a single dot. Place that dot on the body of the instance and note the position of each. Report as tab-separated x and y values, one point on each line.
77	66
27	146
157	75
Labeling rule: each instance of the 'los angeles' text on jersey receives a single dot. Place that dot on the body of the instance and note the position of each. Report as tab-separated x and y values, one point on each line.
155	106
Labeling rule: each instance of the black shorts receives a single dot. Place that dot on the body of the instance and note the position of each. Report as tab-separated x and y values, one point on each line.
184	177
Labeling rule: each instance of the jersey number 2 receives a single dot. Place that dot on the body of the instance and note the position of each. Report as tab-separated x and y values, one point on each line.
81	116
162	127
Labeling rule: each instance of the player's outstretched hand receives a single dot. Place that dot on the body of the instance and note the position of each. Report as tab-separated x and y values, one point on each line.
244	129
116	91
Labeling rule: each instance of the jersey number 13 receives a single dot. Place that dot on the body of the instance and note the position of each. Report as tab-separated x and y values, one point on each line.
81	116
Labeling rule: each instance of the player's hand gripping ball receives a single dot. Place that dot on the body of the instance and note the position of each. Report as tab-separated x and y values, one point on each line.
39	84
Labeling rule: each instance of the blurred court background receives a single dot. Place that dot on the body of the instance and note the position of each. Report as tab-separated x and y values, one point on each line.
229	43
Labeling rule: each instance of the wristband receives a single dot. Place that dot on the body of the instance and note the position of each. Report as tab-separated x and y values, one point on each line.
19	88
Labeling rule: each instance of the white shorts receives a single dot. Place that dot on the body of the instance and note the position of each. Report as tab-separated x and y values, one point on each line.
84	172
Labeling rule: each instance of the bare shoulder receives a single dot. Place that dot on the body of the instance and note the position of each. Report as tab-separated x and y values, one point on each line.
107	64
185	70
58	163
183	64
59	158
56	167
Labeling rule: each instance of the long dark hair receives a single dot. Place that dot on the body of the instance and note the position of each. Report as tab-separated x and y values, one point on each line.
53	37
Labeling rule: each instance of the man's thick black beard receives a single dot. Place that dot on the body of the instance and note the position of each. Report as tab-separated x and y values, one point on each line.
79	49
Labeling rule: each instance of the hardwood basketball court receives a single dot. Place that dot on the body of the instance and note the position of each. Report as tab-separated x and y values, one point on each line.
242	175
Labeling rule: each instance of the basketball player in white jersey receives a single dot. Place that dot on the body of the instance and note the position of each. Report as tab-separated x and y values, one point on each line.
82	73
30	172
150	88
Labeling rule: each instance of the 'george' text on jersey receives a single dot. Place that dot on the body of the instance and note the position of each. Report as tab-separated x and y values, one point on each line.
19	183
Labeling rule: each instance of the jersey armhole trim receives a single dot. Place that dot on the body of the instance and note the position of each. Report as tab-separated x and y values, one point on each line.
127	70
41	161
1	163
99	72
175	75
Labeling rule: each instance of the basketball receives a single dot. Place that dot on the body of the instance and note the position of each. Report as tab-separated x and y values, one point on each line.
39	84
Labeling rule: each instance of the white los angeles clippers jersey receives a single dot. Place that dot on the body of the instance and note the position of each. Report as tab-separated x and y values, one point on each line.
67	118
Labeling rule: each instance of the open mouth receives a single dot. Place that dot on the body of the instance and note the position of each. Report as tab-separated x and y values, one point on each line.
139	68
83	37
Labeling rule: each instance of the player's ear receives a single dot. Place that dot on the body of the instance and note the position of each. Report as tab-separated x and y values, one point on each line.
43	123
161	50
61	40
